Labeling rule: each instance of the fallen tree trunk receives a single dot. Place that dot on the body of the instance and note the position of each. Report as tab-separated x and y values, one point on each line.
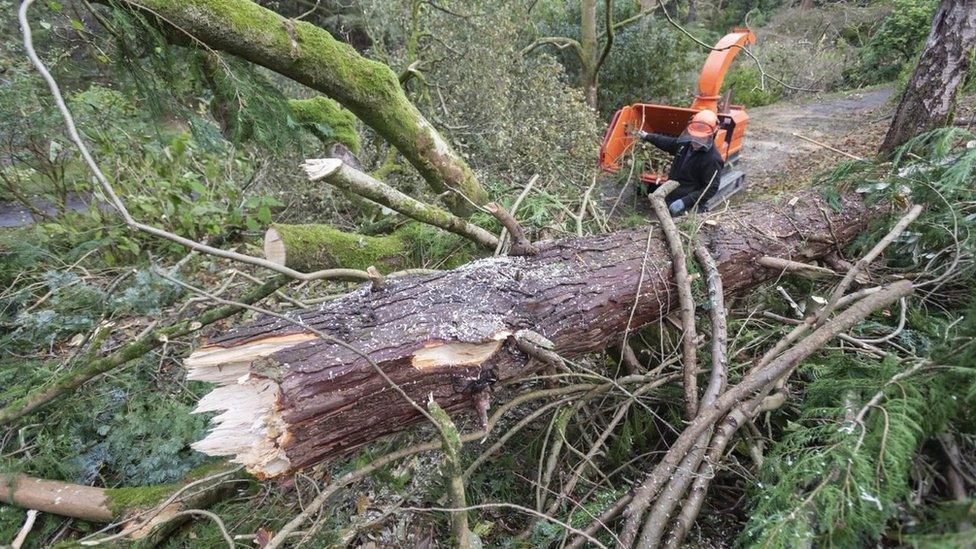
289	399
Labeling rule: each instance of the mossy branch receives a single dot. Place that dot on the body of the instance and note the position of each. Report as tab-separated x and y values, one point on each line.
345	178
311	247
311	56
321	113
455	472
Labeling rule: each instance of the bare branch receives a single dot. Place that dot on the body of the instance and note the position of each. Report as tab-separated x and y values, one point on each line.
781	264
520	244
342	176
559	42
687	302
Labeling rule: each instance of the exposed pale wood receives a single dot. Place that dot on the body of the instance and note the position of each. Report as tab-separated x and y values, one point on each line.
59	498
346	178
274	246
781	264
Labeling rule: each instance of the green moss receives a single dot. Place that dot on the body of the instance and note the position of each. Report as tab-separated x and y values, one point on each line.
327	120
207	469
449	432
314	247
246	18
121	500
434	248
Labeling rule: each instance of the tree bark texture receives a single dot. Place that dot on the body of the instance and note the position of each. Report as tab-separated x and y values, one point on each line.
311	56
289	399
589	71
930	96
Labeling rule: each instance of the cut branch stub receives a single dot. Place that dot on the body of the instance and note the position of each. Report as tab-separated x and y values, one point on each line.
520	243
289	399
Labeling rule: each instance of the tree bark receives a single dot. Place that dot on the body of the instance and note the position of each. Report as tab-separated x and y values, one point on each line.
289	399
588	51
311	56
96	504
930	96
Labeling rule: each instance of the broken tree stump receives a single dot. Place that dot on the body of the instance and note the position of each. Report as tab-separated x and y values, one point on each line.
288	399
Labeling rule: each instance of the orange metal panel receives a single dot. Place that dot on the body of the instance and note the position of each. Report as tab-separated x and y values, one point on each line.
717	63
619	141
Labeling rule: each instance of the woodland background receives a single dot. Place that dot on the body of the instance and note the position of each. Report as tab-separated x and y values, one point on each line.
209	146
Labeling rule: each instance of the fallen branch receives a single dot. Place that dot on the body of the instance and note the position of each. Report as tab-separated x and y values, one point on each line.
784	265
837	296
452	450
520	244
515	207
687	302
320	246
25	529
685	475
341	176
752	383
148	514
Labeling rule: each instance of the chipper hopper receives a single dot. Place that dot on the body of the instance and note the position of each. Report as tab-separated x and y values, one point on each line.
620	138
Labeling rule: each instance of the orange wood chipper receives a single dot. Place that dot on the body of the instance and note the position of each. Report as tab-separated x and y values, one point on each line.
620	138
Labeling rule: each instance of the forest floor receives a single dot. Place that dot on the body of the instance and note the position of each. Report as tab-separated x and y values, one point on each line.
775	160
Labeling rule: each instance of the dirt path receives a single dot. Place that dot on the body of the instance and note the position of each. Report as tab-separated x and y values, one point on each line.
775	160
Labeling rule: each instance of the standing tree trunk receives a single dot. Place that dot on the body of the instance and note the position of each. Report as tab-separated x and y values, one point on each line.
930	96
645	22
311	56
692	14
589	72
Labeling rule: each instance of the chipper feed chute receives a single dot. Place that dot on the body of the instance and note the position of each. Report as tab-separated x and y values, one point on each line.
619	140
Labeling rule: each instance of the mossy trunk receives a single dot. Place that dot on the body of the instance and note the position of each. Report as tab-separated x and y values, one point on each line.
311	56
309	248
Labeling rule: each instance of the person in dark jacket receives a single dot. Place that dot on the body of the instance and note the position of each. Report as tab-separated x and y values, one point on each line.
697	165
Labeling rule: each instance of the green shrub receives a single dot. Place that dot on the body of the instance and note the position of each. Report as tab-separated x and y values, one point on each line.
654	65
896	43
748	88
